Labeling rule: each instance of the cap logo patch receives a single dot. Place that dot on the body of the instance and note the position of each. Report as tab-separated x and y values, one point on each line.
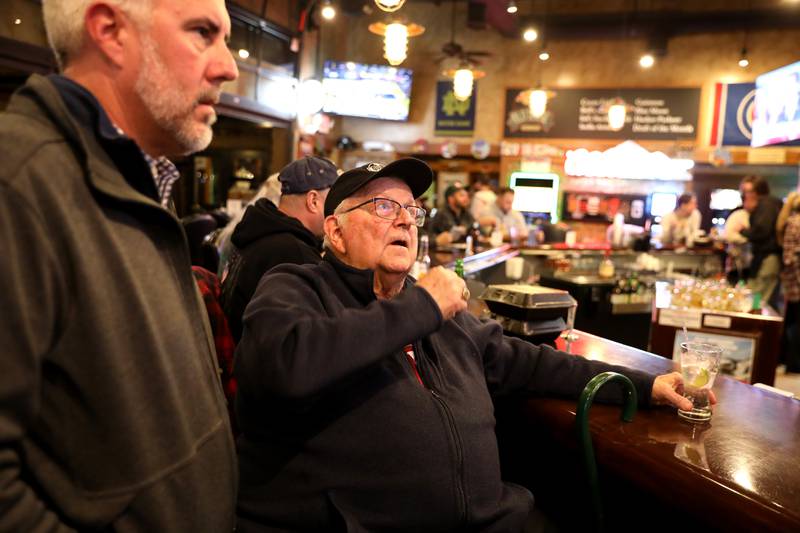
374	167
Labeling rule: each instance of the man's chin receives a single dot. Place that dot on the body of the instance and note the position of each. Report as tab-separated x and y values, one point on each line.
195	140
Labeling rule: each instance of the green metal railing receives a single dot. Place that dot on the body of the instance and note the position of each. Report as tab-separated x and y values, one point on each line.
585	436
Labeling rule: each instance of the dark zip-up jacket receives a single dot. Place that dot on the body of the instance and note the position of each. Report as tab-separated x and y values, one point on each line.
338	433
761	234
264	238
111	413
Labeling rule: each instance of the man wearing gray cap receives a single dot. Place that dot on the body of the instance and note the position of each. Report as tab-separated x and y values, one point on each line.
365	399
268	236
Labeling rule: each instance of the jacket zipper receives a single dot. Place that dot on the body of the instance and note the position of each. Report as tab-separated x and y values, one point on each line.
424	369
462	495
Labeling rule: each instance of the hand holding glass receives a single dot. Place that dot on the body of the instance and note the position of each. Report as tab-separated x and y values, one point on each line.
699	367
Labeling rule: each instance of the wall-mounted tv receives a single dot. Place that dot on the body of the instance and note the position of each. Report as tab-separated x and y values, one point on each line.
725	199
369	91
662	203
777	106
535	193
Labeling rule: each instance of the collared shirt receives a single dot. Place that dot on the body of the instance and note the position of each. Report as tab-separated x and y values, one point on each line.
790	275
85	108
512	219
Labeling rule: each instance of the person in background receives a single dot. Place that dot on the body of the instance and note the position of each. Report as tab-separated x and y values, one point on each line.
454	219
365	399
271	190
500	215
112	416
739	254
483	197
680	226
788	232
766	263
270	235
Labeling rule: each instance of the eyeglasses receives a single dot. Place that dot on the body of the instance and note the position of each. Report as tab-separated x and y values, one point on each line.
390	210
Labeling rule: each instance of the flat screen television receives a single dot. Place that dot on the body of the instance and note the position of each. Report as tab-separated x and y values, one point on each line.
662	203
535	193
777	106
369	91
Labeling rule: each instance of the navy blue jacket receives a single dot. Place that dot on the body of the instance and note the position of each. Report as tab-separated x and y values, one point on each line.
338	433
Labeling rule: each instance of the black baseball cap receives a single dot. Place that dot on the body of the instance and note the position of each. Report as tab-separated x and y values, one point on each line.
309	173
417	175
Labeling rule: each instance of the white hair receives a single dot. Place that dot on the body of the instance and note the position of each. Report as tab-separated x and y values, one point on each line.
64	23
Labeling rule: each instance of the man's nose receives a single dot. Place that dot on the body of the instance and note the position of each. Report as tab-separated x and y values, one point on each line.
223	66
404	218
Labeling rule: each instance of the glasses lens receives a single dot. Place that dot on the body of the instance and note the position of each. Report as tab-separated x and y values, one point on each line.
386	208
418	214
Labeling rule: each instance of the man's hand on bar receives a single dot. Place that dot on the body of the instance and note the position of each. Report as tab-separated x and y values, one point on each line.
668	390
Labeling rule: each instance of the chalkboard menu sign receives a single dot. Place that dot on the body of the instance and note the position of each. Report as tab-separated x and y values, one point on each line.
665	114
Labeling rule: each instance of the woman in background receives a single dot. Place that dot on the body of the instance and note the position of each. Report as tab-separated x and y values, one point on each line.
788	230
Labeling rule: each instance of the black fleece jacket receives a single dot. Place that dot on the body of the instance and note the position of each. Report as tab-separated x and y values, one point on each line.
338	433
264	238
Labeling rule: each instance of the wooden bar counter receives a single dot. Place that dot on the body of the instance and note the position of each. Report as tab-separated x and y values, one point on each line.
740	472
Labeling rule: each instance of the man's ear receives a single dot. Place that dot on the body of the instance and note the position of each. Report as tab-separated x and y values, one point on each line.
314	203
333	230
110	30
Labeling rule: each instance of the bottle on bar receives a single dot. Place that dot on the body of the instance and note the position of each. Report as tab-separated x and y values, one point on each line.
423	263
459	268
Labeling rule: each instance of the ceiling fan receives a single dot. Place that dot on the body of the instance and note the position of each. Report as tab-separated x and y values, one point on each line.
453	50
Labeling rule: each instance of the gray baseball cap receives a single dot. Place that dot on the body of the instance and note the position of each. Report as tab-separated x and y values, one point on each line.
309	173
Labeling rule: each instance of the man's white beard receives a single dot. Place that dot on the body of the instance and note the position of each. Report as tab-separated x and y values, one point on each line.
171	108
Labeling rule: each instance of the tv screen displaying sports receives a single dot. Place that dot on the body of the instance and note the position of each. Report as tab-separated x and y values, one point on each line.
777	106
369	91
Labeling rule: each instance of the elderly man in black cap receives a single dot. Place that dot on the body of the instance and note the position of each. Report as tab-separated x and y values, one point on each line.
268	236
365	399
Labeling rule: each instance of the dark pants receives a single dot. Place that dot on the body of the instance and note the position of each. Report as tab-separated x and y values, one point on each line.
791	337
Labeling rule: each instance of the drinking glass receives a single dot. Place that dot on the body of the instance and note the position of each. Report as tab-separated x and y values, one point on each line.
568	333
699	366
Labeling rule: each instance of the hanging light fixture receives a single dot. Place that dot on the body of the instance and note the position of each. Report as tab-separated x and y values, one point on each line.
530	35
647	60
544	55
511	7
328	12
463	80
389	6
617	112
537	102
743	61
395	39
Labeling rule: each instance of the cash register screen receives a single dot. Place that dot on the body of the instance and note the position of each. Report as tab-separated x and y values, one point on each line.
535	193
